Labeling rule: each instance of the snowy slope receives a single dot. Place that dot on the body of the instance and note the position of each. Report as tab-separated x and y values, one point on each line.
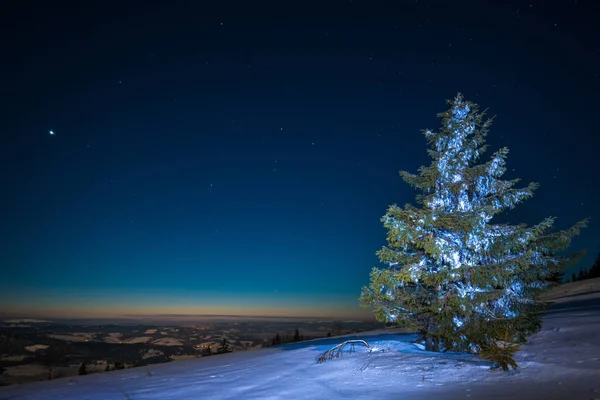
561	362
565	291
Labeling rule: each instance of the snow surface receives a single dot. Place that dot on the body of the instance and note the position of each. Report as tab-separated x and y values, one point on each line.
565	291
562	361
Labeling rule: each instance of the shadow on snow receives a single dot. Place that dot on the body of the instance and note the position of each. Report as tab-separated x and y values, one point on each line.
384	342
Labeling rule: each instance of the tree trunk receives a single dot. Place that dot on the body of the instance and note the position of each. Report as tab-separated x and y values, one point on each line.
431	342
428	343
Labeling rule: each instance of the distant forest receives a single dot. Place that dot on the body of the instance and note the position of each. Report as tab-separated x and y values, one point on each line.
592	272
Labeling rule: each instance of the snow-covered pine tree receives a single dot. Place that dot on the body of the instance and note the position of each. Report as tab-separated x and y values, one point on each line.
464	283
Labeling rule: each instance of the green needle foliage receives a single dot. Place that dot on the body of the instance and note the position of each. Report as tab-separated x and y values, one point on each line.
465	283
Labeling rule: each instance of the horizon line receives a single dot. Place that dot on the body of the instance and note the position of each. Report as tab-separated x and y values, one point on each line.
9	316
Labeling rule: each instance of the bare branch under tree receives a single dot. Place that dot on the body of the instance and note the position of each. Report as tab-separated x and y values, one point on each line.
336	351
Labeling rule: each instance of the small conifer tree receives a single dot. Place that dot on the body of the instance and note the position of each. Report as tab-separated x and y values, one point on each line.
277	340
465	283
224	347
83	369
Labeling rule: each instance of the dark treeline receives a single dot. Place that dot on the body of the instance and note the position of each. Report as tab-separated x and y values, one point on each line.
297	337
287	338
592	272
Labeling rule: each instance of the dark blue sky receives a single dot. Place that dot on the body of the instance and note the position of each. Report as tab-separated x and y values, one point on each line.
238	160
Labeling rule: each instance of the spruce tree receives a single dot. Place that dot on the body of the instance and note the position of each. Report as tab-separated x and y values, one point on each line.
277	340
224	348
465	283
83	369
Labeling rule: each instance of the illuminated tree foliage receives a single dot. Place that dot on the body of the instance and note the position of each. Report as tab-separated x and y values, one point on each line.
464	283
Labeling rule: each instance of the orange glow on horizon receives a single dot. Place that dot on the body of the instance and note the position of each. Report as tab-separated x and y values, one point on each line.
164	304
171	312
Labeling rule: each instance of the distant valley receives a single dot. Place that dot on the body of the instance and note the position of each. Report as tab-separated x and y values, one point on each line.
34	350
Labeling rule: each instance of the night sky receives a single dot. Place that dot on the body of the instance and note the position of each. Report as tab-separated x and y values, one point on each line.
172	157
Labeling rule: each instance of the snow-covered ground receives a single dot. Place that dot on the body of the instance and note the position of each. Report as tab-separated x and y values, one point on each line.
562	361
564	292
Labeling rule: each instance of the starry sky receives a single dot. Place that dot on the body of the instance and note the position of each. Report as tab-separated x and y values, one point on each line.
186	157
